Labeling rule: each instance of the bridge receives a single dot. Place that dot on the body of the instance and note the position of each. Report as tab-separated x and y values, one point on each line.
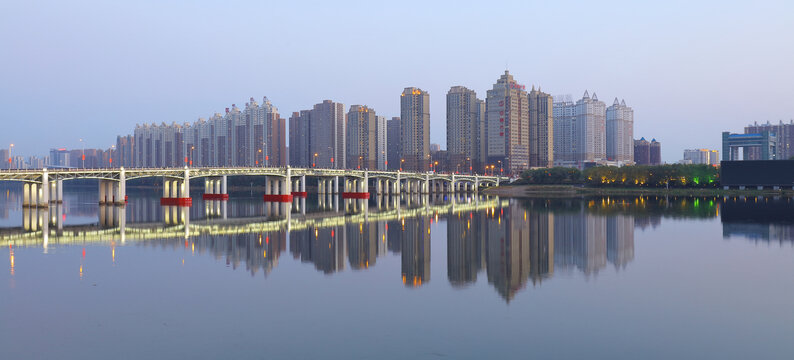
44	186
122	233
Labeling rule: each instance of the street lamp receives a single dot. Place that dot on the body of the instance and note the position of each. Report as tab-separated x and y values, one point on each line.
401	163
500	167
360	158
110	159
10	148
83	146
191	154
470	167
314	161
257	159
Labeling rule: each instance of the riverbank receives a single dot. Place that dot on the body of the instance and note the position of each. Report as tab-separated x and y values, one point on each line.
580	190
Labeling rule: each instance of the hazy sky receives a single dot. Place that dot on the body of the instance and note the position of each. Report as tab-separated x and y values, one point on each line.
92	70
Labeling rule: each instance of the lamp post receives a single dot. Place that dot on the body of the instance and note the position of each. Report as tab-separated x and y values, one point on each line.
470	167
257	159
191	154
314	160
83	157
401	163
110	159
10	148
500	167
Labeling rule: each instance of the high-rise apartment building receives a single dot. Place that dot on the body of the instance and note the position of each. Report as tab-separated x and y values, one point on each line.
394	143
317	136
565	146
702	156
507	125
361	149
415	128
580	131
253	136
620	133
381	139
784	133
642	152
541	129
655	154
465	128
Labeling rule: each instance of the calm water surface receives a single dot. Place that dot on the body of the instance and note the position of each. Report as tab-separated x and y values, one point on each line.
617	278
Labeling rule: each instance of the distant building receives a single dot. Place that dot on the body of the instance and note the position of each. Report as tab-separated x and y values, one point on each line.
507	125
465	128
393	143
702	156
4	159
784	137
299	131
59	157
581	130
381	141
415	128
760	146
361	135
317	136
620	133
642	152
655	152
541	129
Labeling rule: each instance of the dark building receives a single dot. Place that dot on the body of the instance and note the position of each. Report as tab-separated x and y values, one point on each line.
754	173
393	143
655	152
647	153
642	152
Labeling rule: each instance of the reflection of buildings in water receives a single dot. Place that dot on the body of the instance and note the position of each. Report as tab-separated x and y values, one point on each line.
465	251
258	251
326	248
362	244
644	222
760	219
520	246
415	255
580	242
620	240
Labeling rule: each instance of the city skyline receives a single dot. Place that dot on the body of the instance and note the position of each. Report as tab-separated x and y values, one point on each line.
176	77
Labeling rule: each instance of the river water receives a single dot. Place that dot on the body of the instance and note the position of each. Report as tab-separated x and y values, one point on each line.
433	277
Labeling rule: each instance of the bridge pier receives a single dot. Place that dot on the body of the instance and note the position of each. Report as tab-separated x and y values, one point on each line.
176	192
111	192
215	188
278	189
299	187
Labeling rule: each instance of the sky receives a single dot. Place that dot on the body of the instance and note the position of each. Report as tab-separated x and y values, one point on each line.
94	69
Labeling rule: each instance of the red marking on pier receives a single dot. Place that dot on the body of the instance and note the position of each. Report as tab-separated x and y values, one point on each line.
215	196
277	198
302	194
176	201
355	195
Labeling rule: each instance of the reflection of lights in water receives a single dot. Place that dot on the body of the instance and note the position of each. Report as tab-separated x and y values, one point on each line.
264	254
193	248
81	272
11	258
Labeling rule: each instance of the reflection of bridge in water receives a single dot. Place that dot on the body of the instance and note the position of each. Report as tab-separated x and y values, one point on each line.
513	242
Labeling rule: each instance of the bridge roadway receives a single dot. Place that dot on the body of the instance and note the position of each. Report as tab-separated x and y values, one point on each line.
82	234
281	184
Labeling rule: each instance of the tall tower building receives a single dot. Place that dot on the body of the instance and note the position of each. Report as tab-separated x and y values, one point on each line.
655	152
465	128
394	143
415	127
620	133
361	149
564	125
507	125
541	129
327	139
381	139
299	134
591	129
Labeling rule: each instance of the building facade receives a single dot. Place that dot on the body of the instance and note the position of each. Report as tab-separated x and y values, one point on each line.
415	129
507	125
620	133
361	146
702	156
465	128
394	143
541	129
